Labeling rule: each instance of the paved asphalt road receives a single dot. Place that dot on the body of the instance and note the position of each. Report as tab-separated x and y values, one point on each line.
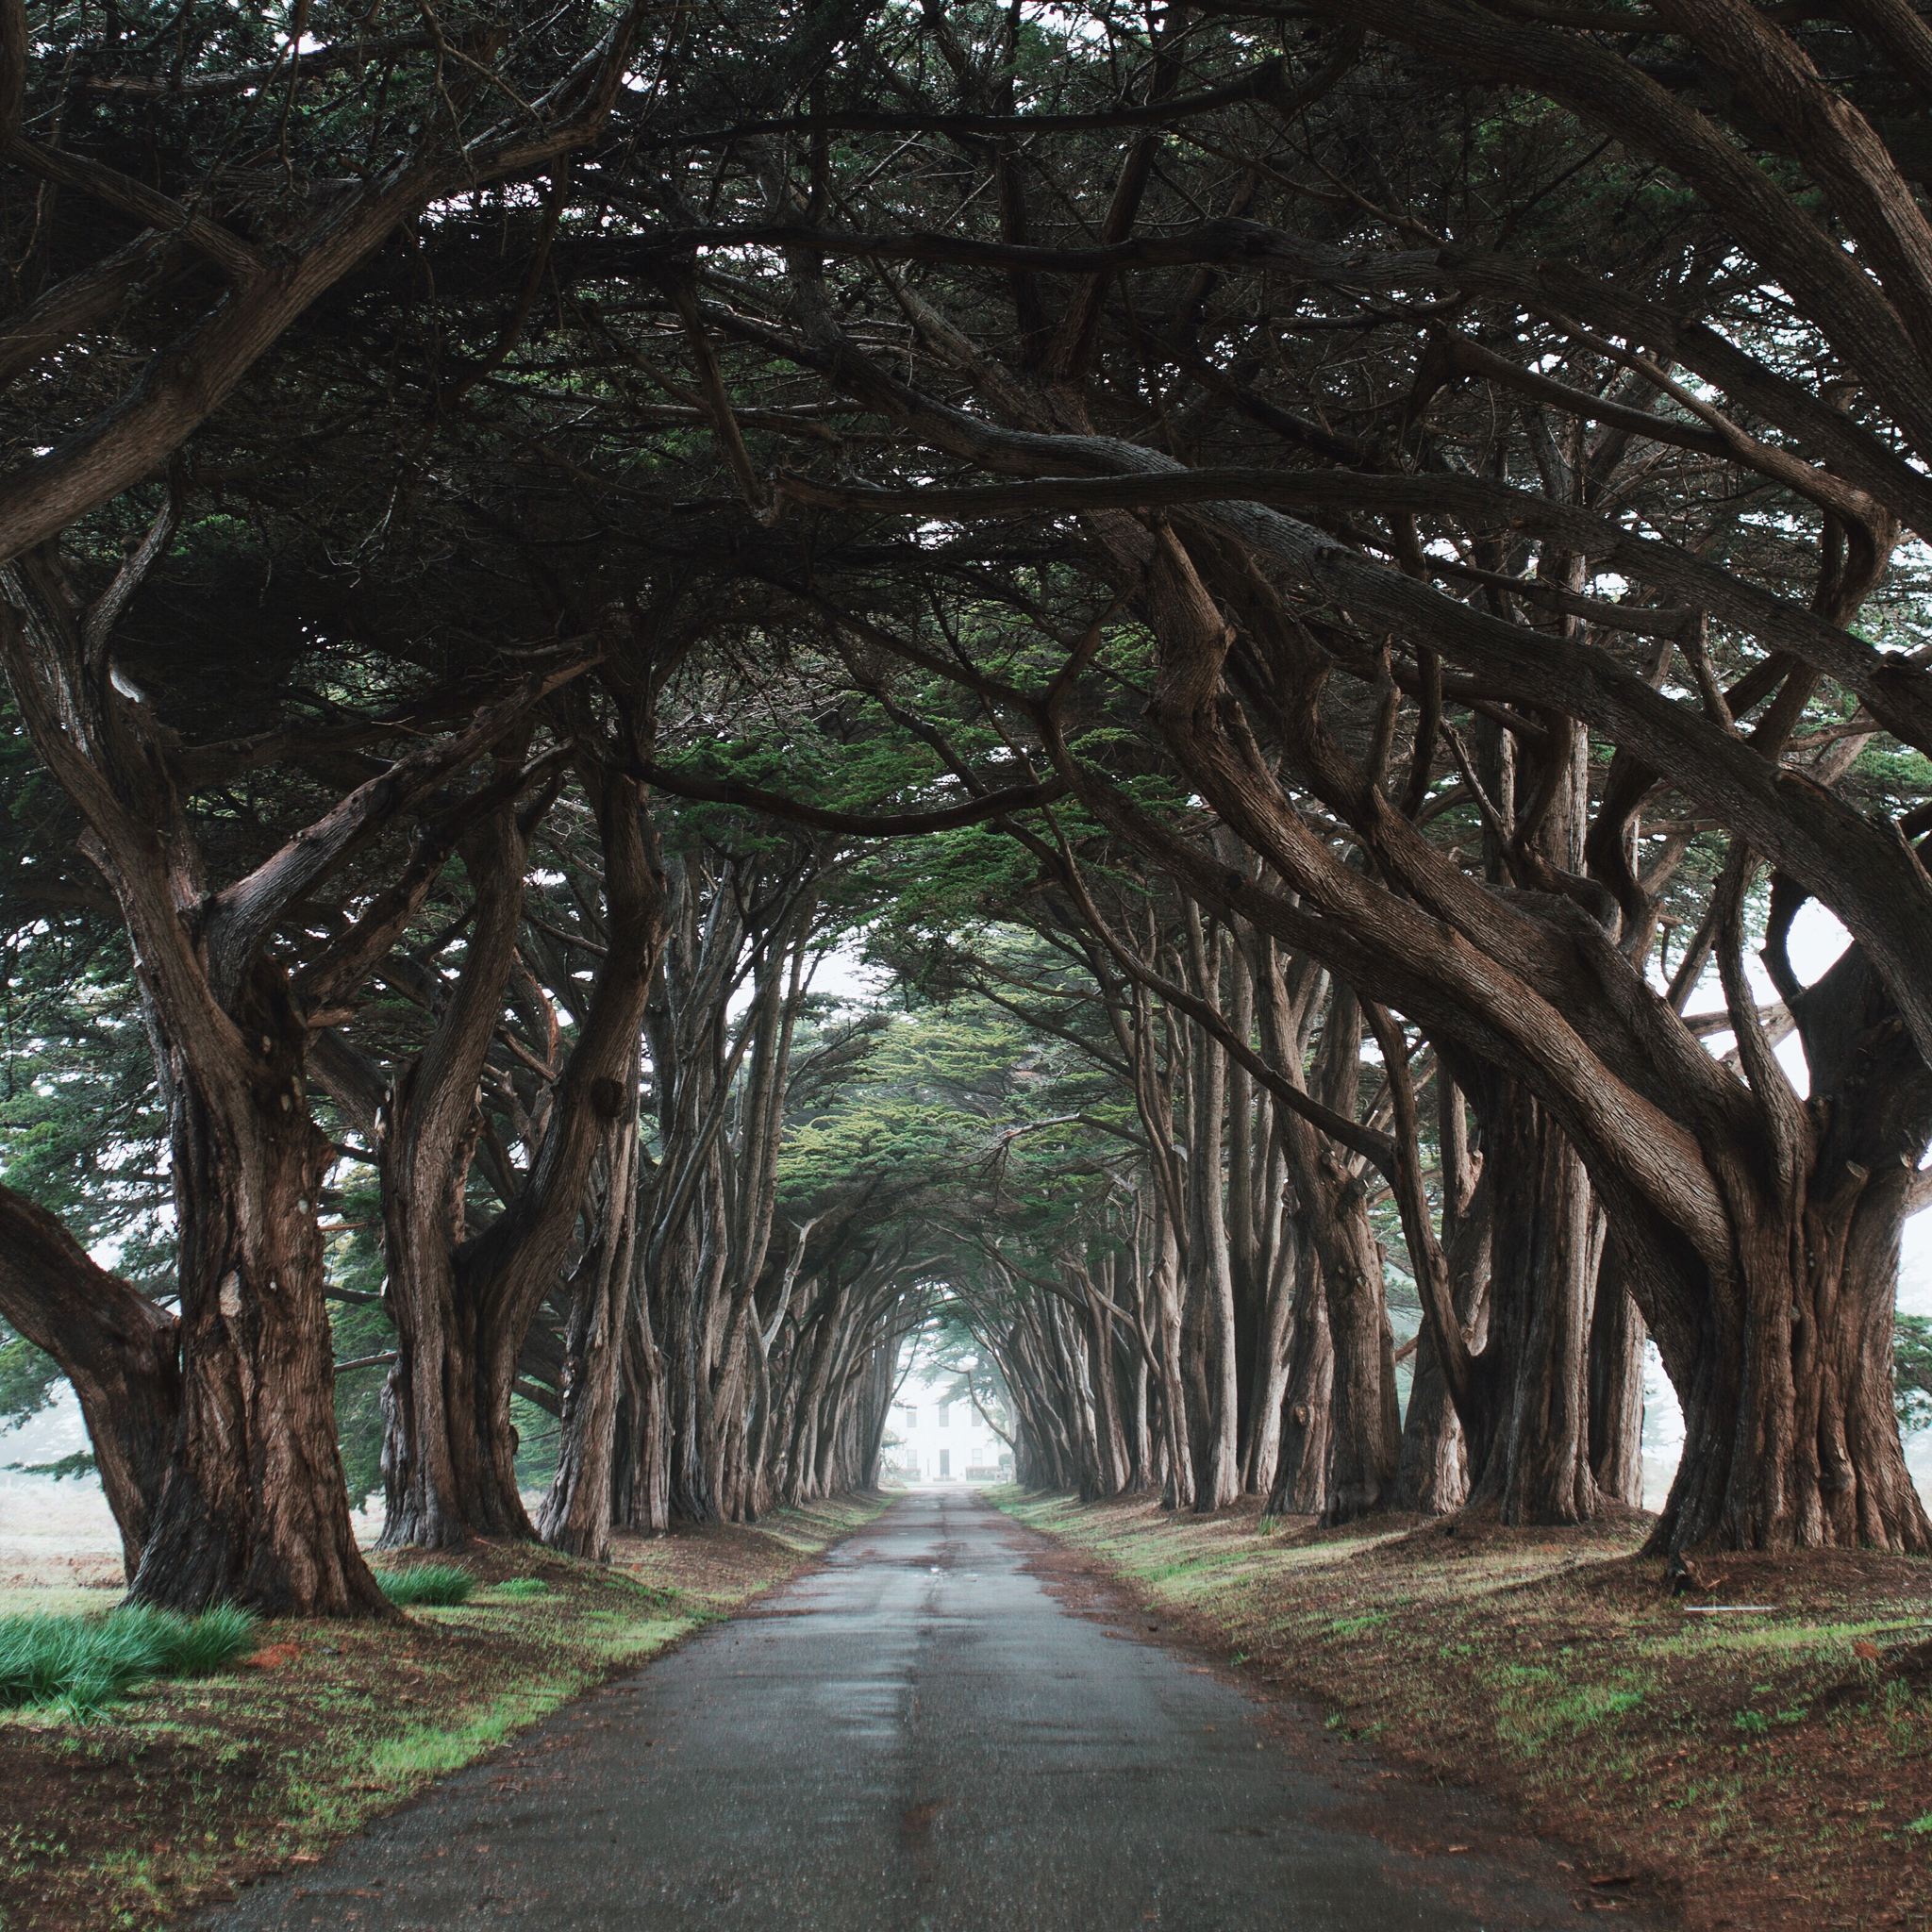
918	1735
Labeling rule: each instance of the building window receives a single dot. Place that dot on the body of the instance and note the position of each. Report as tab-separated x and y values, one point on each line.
945	1462
911	1415
945	1415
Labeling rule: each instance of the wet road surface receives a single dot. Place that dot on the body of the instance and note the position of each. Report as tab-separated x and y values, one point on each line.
915	1735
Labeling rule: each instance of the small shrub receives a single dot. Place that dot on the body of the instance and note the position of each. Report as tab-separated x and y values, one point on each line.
85	1663
438	1585
517	1588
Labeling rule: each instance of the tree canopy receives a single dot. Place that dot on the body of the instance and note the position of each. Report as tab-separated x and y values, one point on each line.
1317	590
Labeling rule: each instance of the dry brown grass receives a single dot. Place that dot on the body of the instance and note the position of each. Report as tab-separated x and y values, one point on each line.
1763	1769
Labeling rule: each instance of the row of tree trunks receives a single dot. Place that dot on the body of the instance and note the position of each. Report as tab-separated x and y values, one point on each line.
253	1507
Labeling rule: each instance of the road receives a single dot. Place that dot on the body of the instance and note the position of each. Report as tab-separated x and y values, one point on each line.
918	1737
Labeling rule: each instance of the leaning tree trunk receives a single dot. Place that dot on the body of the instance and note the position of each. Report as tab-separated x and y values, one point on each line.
119	1350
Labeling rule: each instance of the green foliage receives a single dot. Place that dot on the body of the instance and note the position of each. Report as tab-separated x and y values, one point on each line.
27	1379
80	1463
1911	1354
433	1585
83	1664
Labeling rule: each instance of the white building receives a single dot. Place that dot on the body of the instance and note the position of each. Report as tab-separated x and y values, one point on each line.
932	1439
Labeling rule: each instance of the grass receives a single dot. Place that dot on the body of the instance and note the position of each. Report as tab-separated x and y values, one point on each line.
520	1589
191	1787
437	1586
82	1664
1760	1770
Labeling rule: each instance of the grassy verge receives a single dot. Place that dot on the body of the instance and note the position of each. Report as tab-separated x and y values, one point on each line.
180	1790
1762	1767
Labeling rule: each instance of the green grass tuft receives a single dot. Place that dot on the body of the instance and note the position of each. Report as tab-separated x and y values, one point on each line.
517	1588
85	1663
435	1584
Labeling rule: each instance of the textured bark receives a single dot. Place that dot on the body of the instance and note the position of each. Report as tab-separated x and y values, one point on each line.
641	1479
442	1480
255	1511
1790	1439
1364	1422
1616	1391
1308	1402
1433	1478
1537	1466
255	1508
508	1272
1273	1317
579	1509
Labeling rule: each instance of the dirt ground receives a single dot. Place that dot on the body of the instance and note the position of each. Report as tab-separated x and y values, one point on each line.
1764	1767
190	1788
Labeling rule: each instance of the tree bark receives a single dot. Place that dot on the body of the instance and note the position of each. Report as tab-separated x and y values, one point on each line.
442	1482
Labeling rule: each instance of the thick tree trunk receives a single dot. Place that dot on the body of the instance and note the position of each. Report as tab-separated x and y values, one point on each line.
1536	1466
1365	1423
1432	1478
1790	1437
118	1349
256	1510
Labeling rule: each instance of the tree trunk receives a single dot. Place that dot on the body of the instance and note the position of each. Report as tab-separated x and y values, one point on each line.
1537	1467
442	1482
1301	1469
641	1476
579	1510
1434	1476
1616	1391
118	1349
1214	1377
256	1511
1269	1370
1790	1437
509	1271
